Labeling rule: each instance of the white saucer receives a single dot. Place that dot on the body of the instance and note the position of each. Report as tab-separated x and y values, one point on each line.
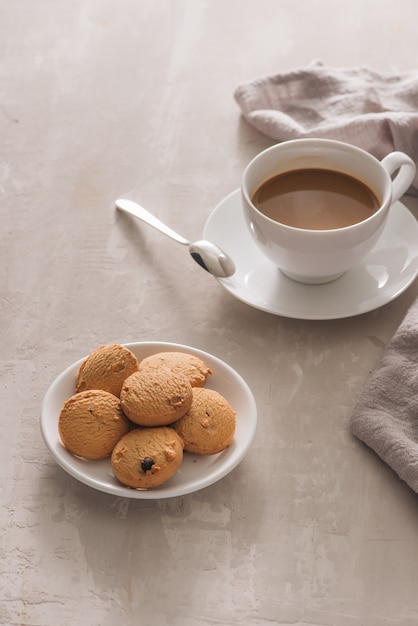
196	472
383	275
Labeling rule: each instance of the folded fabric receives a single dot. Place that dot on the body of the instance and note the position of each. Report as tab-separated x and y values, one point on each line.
374	111
386	415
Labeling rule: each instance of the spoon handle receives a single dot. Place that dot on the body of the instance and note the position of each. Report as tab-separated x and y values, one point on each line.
138	211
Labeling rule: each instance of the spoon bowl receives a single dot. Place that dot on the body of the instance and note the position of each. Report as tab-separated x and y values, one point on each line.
212	258
207	254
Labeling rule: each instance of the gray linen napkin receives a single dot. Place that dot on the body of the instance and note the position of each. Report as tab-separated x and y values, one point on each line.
377	112
386	415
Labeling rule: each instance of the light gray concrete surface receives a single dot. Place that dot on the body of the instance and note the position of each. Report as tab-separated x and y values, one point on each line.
102	99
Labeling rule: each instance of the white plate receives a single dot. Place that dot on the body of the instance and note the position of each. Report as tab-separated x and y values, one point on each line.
383	275
195	472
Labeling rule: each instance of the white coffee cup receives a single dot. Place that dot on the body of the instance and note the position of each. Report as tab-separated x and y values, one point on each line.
320	256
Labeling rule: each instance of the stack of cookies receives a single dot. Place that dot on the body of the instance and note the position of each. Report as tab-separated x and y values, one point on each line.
144	414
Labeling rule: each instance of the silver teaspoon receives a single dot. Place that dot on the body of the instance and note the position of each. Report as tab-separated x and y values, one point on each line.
205	253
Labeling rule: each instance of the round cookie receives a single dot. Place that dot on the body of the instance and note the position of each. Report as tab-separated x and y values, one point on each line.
91	423
181	362
106	368
209	425
155	396
147	457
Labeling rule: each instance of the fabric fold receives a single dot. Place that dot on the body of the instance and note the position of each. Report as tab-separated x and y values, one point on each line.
386	415
374	111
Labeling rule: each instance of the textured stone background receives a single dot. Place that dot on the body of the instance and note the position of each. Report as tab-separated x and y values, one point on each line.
102	99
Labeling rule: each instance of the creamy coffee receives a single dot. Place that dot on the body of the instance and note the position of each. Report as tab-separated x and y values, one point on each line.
315	199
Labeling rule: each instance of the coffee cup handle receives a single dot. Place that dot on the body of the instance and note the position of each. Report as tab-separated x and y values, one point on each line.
405	175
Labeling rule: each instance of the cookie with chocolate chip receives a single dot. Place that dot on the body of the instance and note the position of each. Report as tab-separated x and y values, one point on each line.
147	457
